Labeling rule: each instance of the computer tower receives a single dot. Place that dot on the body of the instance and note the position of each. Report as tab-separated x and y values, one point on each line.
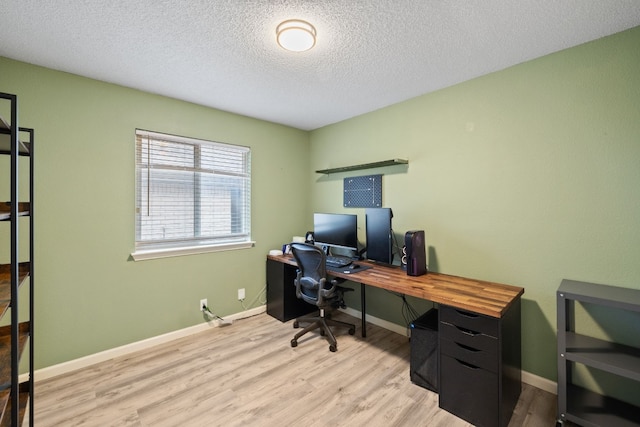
423	366
379	235
415	253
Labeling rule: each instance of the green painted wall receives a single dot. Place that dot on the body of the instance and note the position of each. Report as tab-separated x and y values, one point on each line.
90	295
525	176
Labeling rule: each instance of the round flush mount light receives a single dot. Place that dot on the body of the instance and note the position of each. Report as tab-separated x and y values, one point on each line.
296	35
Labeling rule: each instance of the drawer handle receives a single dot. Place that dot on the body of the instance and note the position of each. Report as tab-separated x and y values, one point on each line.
467	365
466	347
467	314
468	331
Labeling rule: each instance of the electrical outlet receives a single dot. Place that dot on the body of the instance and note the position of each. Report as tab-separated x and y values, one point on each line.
203	303
241	294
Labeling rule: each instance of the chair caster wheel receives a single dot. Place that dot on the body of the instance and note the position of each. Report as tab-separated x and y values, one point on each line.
333	348
296	324
322	332
294	343
352	331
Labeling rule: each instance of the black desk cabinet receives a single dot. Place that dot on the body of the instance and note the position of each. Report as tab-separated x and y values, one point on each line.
480	376
282	302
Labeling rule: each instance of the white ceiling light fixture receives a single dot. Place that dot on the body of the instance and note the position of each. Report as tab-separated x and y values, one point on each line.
296	35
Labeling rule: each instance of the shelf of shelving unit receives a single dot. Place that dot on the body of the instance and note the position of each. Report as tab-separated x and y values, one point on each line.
380	164
5	283
4	397
5	210
575	403
25	395
607	356
5	140
5	347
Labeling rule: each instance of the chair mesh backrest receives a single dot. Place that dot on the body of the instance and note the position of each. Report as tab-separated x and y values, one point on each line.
312	265
311	260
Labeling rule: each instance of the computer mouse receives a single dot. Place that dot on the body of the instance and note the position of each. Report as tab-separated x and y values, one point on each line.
353	266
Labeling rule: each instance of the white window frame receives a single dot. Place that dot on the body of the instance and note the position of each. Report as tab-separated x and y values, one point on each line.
192	196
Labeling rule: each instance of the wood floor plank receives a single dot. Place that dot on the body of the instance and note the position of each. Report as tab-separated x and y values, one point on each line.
247	374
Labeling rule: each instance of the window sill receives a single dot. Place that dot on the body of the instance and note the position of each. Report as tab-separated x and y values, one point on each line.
144	255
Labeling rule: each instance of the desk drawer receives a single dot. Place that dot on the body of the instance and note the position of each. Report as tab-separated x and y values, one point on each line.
468	337
469	392
468	320
486	359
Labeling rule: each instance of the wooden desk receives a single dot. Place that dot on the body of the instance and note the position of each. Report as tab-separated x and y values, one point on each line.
477	296
479	336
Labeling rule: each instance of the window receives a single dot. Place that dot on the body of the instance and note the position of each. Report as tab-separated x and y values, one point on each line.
190	194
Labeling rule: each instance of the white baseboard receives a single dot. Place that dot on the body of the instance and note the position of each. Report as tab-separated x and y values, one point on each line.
377	321
83	362
540	382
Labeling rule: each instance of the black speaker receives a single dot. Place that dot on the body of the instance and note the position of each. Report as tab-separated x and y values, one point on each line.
415	253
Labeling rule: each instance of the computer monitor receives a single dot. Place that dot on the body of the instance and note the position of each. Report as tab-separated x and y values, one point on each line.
336	230
379	235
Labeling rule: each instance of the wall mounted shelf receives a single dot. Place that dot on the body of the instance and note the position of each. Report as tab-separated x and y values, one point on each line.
380	164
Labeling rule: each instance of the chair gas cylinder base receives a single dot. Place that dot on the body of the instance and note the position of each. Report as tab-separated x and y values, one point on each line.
323	323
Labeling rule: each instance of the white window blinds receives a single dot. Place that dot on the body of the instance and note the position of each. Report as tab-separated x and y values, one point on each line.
191	192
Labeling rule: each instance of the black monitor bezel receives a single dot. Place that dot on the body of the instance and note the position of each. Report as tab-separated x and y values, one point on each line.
349	239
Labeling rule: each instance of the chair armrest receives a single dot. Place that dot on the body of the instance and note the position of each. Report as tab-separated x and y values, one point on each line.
335	286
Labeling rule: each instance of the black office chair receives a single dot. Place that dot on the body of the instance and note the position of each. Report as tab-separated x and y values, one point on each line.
313	287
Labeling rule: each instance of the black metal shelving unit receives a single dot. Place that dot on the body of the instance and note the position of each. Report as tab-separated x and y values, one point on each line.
15	397
575	403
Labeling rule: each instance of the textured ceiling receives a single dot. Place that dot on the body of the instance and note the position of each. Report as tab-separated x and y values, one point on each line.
369	53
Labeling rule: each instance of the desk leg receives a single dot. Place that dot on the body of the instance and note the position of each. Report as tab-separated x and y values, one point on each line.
363	304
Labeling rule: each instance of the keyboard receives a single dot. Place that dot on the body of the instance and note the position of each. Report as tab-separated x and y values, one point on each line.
338	261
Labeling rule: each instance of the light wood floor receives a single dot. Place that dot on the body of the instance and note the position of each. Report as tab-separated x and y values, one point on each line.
247	374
